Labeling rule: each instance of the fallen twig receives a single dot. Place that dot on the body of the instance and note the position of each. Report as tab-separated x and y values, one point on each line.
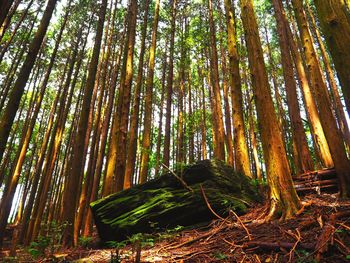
240	221
298	238
278	245
208	204
184	184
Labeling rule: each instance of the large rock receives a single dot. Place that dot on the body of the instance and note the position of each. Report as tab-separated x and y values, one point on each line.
165	203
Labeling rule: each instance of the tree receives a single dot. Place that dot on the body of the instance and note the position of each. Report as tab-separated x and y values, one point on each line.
15	96
335	22
240	142
146	142
332	133
76	171
17	91
284	201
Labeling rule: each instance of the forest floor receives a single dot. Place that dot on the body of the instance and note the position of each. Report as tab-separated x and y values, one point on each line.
320	233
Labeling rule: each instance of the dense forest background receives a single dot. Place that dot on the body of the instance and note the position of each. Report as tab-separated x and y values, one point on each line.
97	96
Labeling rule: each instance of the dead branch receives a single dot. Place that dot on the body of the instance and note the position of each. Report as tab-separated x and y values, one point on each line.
278	245
184	184
244	227
208	204
298	239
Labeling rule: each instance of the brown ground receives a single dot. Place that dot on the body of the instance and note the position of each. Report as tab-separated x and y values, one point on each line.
320	233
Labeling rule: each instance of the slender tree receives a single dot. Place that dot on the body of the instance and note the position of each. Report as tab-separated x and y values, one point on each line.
69	196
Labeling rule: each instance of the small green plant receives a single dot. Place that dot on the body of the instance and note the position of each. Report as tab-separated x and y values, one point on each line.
9	259
85	241
37	249
115	244
219	255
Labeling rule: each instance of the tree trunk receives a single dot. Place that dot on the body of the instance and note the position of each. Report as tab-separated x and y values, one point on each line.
146	142
170	87
219	146
332	133
240	142
335	22
284	201
69	195
298	132
15	96
134	125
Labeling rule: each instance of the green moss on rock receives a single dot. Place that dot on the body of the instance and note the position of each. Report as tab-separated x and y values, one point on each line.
165	203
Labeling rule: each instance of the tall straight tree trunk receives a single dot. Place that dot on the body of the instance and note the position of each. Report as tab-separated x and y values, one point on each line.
332	133
15	96
320	142
134	125
117	157
299	135
69	195
284	201
228	125
169	92
25	140
335	22
339	111
219	146
242	163
160	123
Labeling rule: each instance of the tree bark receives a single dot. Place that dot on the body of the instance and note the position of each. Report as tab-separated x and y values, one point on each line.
284	200
335	23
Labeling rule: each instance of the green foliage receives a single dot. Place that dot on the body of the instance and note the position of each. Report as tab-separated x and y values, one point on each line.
37	248
220	255
85	241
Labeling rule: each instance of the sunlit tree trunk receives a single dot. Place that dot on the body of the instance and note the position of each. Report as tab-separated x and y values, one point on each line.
146	141
299	135
160	123
242	163
134	124
169	92
335	22
219	146
284	201
15	96
117	157
338	106
6	23
332	133
69	195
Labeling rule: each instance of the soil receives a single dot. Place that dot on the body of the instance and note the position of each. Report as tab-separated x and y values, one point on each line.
319	233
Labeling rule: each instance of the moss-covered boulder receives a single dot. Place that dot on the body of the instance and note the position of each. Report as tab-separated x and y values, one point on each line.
165	203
